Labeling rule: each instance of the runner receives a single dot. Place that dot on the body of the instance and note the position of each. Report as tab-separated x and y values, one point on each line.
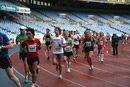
5	62
68	51
96	46
58	44
23	54
129	38
33	45
88	41
76	39
101	44
47	38
108	38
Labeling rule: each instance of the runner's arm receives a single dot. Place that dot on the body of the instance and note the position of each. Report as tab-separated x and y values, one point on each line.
72	44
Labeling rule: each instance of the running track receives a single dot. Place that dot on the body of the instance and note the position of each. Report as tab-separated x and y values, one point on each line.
114	72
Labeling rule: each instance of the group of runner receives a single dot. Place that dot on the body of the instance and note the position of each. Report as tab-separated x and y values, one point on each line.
65	46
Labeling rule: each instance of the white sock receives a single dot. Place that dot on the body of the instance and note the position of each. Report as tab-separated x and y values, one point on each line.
66	64
99	57
69	64
102	55
97	51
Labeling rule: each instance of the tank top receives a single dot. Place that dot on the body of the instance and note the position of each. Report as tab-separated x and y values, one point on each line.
48	37
88	42
67	48
101	42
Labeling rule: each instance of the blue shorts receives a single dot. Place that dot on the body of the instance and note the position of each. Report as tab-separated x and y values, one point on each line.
100	48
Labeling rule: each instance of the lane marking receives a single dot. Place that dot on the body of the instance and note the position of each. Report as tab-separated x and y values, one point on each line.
19	72
62	77
102	69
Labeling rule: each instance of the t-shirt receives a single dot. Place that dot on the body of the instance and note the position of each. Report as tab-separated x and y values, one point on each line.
56	41
75	37
3	42
22	38
32	47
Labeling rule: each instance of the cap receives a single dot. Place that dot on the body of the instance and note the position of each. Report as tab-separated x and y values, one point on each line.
114	33
23	27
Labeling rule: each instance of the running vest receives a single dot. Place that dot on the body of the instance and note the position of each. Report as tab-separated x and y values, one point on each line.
67	48
129	37
101	42
107	37
88	43
48	38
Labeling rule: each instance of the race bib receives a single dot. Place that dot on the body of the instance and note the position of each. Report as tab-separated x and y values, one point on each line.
57	49
47	39
32	48
88	44
100	42
68	49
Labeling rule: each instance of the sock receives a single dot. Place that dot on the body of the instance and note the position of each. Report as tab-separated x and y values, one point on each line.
69	64
97	51
102	55
99	57
66	64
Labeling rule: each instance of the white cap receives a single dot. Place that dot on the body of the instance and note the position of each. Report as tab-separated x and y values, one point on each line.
23	27
114	33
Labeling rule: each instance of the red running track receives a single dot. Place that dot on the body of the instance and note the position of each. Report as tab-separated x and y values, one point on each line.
114	72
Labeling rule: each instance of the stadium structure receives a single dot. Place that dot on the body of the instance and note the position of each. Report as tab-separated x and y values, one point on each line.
97	15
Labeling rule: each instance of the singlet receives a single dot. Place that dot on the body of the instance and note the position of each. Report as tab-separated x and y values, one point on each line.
88	43
67	48
101	42
48	38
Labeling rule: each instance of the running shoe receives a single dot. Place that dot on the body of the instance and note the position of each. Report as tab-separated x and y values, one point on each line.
91	67
26	80
32	85
74	59
57	67
68	70
60	76
102	62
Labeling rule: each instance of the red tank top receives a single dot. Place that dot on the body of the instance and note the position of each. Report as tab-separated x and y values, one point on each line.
101	42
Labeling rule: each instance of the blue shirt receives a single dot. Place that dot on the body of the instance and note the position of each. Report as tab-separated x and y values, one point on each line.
88	43
3	42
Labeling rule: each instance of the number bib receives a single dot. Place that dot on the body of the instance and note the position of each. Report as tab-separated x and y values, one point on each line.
57	49
32	48
100	42
47	39
88	44
68	49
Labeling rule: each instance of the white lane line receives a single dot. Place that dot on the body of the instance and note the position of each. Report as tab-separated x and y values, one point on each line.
46	53
86	75
62	78
99	78
19	72
103	70
113	66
